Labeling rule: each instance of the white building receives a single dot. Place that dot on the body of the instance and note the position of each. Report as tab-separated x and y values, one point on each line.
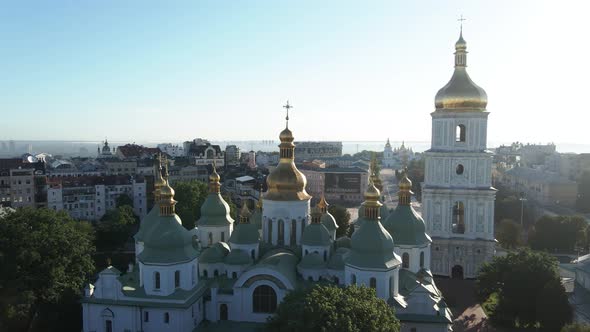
457	195
89	197
171	149
183	277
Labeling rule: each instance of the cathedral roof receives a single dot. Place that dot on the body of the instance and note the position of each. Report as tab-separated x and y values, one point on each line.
238	257
316	235
312	261
406	226
166	240
256	218
215	211
329	221
215	254
343	242
336	262
245	233
461	93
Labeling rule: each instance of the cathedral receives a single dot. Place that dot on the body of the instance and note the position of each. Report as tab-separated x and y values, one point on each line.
240	270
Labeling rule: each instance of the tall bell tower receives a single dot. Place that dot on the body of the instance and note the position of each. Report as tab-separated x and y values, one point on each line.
457	196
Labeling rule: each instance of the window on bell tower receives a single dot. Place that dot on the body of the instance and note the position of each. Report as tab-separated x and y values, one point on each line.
460	133
458	218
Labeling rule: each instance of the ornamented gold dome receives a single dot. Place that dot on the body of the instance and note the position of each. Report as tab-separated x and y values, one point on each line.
286	182
405	183
461	94
372	195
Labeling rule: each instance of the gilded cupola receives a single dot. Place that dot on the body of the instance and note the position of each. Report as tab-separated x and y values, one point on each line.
159	181
286	182
461	94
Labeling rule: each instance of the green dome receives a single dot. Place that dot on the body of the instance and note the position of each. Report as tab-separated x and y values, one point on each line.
167	241
215	254
329	221
312	261
256	218
238	257
316	235
245	234
343	242
384	212
407	227
215	212
337	260
372	247
148	222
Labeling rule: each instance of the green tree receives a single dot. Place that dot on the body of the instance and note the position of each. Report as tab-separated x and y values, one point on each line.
576	328
509	234
115	228
45	258
563	233
527	290
416	174
190	196
342	217
583	201
124	200
331	308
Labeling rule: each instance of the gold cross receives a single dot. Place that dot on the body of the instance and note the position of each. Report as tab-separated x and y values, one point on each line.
461	19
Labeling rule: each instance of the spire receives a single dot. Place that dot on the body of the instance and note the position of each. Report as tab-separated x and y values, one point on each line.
167	202
286	136
461	48
373	170
372	205
323	205
166	167
245	214
287	107
405	189
214	186
159	181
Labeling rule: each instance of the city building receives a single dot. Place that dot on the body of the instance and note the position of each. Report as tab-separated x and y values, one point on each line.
135	152
397	158
22	183
201	152
89	197
106	151
232	155
543	187
172	150
230	271
318	150
121	167
457	193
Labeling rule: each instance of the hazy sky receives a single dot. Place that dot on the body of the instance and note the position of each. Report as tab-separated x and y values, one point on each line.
151	71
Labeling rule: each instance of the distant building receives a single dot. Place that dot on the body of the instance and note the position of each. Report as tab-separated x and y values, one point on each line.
172	150
121	167
105	152
317	150
541	186
264	159
535	154
134	152
201	152
188	173
397	158
22	183
232	155
89	197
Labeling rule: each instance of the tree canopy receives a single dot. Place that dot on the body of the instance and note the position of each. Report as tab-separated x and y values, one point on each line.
342	217
190	196
563	233
331	308
509	234
124	199
527	291
45	257
576	328
115	228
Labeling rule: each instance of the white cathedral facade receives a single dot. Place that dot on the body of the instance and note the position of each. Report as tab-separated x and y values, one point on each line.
227	270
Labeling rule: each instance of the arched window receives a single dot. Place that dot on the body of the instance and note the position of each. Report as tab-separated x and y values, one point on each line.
269	231
234	275
293	233
306	252
222	236
166	318
157	280
391	286
215	273
373	283
107	316
223	311
310	278
176	279
353	279
205	273
459	170
264	299
422	259
336	280
458	218
405	260
209	153
146	316
210	235
460	133
253	254
325	255
281	239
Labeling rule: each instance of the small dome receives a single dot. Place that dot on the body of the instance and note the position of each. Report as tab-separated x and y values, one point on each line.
372	193
215	211
215	254
166	241
312	261
405	183
336	262
238	257
214	177
286	136
286	183
372	247
329	221
407	227
166	190
245	234
316	235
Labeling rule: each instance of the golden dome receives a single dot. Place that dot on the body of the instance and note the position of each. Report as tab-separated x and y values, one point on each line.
166	192
372	194
286	182
461	93
405	183
323	205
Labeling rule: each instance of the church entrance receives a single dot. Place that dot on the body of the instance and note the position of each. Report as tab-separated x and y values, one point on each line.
223	311
457	272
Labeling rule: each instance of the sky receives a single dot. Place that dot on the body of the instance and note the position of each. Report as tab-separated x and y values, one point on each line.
354	71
